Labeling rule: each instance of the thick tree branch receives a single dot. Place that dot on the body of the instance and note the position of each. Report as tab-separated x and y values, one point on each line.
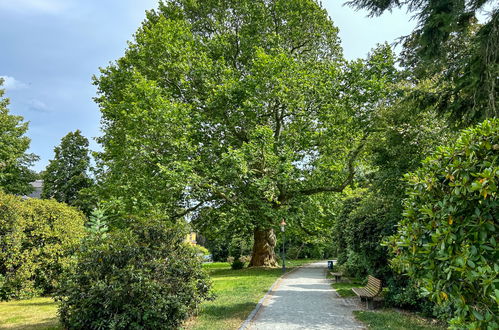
351	173
188	210
302	227
219	193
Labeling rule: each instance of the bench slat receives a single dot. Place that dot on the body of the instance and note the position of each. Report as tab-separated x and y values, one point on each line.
371	290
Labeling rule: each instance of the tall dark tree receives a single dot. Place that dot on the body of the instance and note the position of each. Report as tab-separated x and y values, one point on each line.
67	174
240	110
15	175
450	48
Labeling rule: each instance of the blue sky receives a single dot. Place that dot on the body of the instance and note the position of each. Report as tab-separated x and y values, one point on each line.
51	48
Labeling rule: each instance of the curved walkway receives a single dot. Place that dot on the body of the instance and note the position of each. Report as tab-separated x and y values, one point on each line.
304	299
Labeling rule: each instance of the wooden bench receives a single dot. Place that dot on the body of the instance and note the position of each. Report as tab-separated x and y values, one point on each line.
337	276
371	290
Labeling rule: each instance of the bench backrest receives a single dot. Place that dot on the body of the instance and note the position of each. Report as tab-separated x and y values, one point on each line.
373	285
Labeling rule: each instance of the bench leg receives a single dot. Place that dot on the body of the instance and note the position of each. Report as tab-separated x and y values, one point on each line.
369	303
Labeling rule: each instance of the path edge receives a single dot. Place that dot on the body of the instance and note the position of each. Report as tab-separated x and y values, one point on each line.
251	316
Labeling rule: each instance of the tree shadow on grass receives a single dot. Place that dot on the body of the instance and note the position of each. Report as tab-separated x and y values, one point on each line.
45	303
260	272
45	324
222	312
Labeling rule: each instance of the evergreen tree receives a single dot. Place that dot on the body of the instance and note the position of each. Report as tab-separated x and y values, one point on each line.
15	175
67	174
451	49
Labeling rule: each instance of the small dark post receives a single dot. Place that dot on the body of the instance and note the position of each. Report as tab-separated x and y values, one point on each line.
283	225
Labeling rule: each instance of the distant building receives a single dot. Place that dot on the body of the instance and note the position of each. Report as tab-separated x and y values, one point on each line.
37	186
191	238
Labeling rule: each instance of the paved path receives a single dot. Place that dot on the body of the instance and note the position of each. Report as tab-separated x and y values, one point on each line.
304	299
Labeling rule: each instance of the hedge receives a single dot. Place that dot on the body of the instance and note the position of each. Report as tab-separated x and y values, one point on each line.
38	237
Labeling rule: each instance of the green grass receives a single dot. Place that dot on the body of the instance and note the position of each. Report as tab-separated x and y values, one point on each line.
238	292
393	319
344	288
37	313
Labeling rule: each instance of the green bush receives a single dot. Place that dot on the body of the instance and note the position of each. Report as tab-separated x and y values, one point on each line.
37	239
447	241
237	264
200	250
142	277
357	237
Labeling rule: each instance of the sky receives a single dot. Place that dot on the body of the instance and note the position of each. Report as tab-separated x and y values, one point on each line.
50	49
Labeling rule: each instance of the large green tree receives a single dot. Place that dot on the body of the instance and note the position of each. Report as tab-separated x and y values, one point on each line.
67	174
15	175
238	110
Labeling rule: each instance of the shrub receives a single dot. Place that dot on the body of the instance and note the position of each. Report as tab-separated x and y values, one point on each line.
142	277
37	239
237	264
447	241
200	250
402	292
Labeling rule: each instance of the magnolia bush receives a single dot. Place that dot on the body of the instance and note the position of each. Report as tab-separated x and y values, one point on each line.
448	239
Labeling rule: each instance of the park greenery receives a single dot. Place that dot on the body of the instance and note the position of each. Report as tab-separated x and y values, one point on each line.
228	117
66	177
447	238
237	292
36	246
143	275
15	162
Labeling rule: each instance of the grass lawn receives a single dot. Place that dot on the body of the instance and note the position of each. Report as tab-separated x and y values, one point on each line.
238	292
393	319
37	313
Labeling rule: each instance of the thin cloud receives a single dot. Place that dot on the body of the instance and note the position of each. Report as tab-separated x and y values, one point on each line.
11	83
37	6
37	105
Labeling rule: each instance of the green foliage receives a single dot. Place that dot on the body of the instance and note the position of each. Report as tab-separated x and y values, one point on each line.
370	213
357	234
245	107
447	241
200	250
403	292
66	175
452	51
97	223
237	264
38	237
15	175
145	276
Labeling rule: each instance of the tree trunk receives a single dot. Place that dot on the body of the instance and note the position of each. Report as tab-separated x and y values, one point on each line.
263	249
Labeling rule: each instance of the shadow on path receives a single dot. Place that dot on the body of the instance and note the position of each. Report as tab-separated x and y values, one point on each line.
304	299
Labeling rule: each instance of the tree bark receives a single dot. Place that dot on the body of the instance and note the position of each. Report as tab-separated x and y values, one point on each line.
263	249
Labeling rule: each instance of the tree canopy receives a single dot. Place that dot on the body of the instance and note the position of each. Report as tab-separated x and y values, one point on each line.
236	110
